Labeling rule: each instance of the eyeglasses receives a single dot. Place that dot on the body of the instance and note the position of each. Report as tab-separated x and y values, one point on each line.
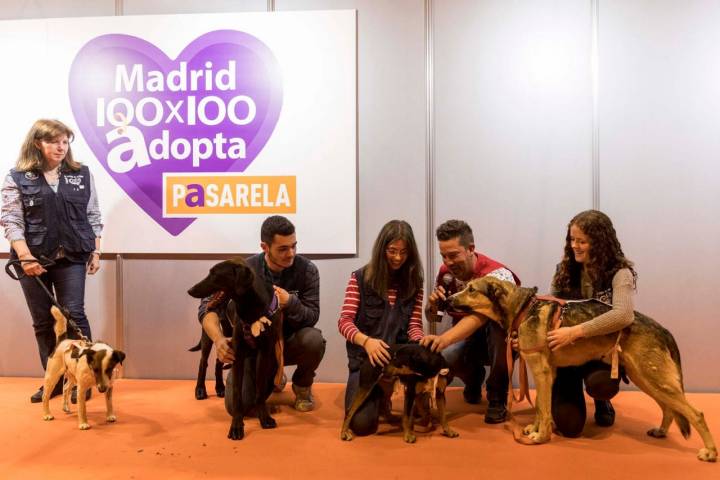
393	252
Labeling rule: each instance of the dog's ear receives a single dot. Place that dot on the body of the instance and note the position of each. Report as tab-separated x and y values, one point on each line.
493	289
75	352
244	278
90	354
118	356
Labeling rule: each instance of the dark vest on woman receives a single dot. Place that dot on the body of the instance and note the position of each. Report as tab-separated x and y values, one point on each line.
377	319
604	294
54	220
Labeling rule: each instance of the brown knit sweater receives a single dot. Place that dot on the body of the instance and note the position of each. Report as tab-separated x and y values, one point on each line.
622	313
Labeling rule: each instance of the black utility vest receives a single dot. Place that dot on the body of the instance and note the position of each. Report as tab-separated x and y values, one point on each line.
377	319
54	220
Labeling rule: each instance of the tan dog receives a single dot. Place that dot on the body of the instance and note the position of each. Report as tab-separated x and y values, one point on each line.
647	351
83	364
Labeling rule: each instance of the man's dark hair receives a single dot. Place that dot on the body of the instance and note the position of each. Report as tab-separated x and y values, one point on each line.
275	225
455	229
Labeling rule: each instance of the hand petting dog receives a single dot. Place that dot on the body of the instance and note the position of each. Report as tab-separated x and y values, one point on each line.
562	336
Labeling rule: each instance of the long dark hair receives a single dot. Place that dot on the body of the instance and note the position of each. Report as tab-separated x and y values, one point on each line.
605	256
409	277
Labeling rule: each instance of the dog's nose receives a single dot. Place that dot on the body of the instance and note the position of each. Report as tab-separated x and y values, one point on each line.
102	388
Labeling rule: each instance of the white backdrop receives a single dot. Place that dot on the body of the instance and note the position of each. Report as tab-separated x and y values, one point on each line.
313	59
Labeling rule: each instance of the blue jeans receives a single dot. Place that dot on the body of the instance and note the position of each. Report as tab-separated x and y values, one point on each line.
467	360
68	281
366	419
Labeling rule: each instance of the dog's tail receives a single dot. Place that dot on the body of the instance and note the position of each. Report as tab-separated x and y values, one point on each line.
196	348
60	324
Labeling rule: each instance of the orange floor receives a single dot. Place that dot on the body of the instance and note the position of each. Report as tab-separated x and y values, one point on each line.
163	432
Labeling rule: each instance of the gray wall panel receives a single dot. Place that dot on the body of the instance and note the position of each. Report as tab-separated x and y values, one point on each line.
513	102
660	144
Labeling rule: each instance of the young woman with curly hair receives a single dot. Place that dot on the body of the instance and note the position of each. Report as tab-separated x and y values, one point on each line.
593	266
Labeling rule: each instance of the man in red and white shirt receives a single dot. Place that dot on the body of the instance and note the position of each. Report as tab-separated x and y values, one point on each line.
467	348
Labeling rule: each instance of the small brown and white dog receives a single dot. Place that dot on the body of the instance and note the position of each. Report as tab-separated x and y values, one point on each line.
83	364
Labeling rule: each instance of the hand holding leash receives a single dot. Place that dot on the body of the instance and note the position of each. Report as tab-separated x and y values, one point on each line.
31	266
377	351
283	296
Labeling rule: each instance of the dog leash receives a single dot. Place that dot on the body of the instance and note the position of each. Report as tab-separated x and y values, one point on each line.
44	262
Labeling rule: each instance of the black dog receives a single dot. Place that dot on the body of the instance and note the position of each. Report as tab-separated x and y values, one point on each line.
254	303
205	346
423	374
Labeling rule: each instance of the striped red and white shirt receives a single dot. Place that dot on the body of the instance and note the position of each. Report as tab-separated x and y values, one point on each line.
348	313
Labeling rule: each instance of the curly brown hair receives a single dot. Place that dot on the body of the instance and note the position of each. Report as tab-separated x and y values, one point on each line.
410	276
606	255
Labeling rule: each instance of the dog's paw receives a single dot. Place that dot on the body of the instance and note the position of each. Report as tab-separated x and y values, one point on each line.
220	392
537	438
449	432
657	433
268	422
200	393
111	418
48	417
346	435
409	438
707	455
84	426
236	433
66	409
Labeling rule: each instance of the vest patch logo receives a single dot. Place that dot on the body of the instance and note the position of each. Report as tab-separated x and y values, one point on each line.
209	112
31	175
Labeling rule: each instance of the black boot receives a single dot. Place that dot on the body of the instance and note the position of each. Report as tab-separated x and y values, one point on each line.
73	395
604	413
37	396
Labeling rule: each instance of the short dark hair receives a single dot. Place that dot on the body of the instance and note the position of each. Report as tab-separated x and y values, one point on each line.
456	229
275	225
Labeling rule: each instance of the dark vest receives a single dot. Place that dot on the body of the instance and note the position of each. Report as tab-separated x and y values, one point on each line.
575	290
377	319
54	220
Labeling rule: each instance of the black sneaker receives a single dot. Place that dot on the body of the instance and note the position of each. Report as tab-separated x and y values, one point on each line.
472	394
496	412
73	395
604	413
37	396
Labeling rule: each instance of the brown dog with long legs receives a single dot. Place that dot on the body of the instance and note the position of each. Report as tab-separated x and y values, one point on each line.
647	351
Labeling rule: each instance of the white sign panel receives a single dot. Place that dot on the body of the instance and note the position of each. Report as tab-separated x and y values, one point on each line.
197	127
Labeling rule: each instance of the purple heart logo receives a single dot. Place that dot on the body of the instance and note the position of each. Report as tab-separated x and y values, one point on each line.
211	110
